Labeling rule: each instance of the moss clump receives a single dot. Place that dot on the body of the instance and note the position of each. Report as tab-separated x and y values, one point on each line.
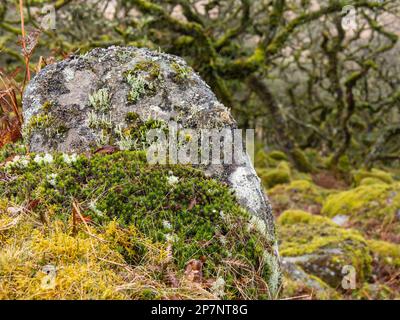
261	160
300	160
313	288
387	253
299	194
132	117
324	247
359	175
12	149
182	73
370	181
142	79
174	207
150	67
40	121
49	125
269	160
133	136
371	208
273	177
278	155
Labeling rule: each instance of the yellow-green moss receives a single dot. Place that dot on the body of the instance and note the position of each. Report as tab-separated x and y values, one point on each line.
273	177
299	194
370	181
305	234
154	204
359	175
366	197
301	161
278	155
182	73
262	160
386	252
372	208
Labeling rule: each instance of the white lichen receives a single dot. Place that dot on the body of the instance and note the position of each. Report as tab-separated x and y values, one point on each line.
52	179
172	180
272	263
257	224
46	159
218	288
69	159
17	162
167	225
100	100
138	87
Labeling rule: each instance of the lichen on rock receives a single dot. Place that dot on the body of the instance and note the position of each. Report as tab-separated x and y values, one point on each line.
114	96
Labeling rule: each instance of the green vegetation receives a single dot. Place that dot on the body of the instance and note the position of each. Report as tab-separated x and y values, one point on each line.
324	103
314	241
152	209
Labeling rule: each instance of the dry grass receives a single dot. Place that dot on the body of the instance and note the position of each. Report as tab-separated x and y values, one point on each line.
87	264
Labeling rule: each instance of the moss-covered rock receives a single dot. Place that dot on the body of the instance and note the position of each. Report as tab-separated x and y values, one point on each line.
385	252
322	248
300	285
175	208
273	177
300	160
299	194
360	175
370	181
373	209
278	155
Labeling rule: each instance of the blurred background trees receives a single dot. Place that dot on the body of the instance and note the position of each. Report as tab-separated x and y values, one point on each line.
288	68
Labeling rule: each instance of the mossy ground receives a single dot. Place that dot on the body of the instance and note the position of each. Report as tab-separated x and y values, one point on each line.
118	228
327	219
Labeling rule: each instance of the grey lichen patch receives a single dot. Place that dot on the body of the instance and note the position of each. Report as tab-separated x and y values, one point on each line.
69	74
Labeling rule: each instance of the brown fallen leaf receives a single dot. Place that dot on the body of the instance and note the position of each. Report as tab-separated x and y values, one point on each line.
192	203
194	270
107	150
32	204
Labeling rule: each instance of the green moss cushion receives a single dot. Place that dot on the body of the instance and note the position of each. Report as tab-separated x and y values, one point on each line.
198	216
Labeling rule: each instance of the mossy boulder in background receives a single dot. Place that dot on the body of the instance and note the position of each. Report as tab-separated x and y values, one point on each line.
381	175
372	208
321	248
298	194
275	176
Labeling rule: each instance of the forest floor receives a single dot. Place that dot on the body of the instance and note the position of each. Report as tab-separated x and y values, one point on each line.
339	232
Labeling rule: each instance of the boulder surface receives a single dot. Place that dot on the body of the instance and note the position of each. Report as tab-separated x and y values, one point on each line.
112	96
